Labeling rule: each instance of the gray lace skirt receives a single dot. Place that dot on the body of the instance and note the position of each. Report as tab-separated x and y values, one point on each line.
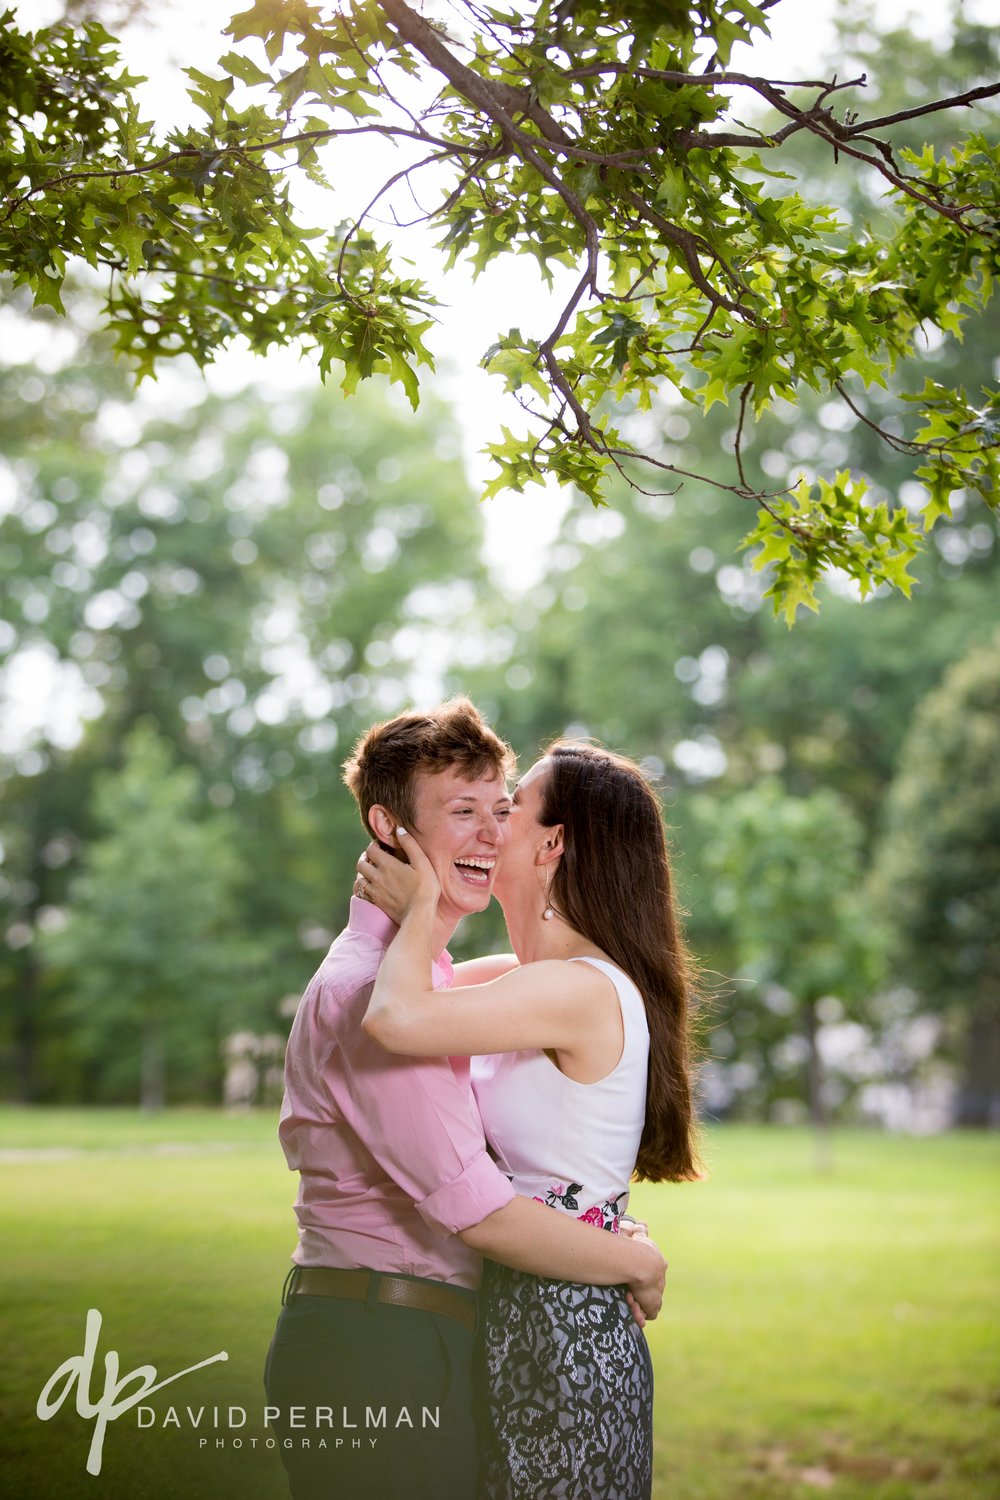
567	1392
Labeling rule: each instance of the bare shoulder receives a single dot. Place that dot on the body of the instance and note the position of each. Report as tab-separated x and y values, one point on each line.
600	981
557	980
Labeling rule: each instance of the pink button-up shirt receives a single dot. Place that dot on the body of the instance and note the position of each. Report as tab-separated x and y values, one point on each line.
390	1150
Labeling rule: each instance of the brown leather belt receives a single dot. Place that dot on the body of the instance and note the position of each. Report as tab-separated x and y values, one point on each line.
392	1291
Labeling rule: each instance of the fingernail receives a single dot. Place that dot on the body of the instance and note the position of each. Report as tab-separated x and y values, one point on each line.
400	830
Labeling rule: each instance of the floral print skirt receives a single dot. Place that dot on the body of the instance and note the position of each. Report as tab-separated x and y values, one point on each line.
567	1399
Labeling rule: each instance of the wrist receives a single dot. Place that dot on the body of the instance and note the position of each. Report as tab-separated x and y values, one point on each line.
644	1260
422	909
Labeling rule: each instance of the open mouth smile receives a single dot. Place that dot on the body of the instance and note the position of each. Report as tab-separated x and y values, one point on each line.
476	870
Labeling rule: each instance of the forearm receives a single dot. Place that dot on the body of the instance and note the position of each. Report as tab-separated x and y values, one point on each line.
482	970
530	1236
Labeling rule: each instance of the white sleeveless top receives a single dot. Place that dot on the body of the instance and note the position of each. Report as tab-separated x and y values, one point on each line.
571	1145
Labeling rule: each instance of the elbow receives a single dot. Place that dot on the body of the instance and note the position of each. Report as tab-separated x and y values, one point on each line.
487	1235
479	1236
381	1029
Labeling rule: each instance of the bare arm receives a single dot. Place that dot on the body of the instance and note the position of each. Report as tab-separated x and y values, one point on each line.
482	970
546	1005
530	1236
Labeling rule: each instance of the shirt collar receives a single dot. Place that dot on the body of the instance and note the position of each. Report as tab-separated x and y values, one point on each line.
445	967
366	917
369	918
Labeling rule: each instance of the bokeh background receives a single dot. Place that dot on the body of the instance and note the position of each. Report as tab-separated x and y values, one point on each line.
211	586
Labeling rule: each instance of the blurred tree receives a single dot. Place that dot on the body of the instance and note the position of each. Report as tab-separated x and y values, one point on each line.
938	872
260	575
786	876
648	633
42	819
152	953
170	559
612	144
647	638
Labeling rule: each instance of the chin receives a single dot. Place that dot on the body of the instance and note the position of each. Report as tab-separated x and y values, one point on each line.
468	902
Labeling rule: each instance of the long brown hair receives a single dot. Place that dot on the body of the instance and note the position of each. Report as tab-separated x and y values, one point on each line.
613	885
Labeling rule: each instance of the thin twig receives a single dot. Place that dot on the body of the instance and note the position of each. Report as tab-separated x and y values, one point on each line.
744	394
352	231
986	91
909	446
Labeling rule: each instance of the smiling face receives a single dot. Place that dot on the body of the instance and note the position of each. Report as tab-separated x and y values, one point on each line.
462	827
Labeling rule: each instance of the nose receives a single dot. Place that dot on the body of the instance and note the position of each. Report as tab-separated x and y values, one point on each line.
493	830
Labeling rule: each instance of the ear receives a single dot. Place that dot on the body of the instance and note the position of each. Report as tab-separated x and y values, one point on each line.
383	825
553	848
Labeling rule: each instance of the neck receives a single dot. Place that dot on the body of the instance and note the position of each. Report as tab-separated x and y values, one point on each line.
442	932
532	937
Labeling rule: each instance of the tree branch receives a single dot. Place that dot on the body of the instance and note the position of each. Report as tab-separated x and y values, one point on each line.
348	237
190	153
972	96
690	246
415	30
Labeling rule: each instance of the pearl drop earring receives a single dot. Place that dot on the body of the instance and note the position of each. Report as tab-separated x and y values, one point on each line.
548	913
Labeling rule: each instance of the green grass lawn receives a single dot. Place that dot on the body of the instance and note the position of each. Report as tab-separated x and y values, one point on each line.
823	1335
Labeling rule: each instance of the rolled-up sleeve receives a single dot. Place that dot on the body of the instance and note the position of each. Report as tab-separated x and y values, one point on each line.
418	1121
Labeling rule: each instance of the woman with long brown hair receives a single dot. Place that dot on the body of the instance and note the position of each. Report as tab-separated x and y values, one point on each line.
582	1047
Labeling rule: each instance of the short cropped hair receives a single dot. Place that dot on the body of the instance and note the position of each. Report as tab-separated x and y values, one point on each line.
453	736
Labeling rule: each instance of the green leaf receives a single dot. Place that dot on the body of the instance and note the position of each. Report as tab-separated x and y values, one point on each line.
775	548
713	391
244	68
46	289
518	368
214	91
405	374
798	592
672	192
